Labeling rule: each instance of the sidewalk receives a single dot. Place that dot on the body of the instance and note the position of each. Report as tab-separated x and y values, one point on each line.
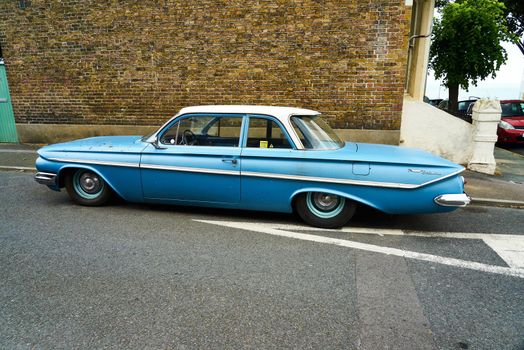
506	188
17	157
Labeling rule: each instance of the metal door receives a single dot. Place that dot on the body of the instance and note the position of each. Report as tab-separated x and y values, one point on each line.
206	170
188	173
7	118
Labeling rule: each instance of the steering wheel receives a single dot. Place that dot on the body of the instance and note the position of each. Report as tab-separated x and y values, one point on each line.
188	138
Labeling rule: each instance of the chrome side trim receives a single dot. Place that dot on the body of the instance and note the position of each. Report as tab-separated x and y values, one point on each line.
346	181
442	178
48	179
259	174
453	200
190	169
330	180
96	162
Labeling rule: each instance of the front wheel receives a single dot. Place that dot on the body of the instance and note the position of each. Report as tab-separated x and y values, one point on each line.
87	188
324	210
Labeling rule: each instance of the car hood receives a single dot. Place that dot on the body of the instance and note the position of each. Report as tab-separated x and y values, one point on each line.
515	121
101	144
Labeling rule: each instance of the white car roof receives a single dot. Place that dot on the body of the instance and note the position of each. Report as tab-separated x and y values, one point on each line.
282	113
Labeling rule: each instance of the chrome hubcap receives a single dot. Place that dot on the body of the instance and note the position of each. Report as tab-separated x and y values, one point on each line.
90	183
325	201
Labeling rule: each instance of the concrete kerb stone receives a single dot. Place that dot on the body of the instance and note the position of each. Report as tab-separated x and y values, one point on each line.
492	202
17	168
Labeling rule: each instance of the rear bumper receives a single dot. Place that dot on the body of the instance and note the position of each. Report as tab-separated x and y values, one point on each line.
453	200
48	179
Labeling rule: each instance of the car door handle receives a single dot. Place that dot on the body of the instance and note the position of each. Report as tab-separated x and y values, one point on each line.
232	161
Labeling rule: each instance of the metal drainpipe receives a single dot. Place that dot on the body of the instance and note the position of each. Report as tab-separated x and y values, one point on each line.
410	47
411	44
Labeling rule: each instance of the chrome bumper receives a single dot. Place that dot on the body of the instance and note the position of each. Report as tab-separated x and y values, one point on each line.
48	179
453	200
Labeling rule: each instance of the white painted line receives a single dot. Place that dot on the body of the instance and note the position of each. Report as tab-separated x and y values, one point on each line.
366	230
269	229
511	251
398	232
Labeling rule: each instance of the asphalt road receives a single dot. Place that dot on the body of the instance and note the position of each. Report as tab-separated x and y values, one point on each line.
514	148
140	276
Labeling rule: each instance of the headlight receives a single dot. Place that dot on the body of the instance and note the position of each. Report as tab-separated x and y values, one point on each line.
506	125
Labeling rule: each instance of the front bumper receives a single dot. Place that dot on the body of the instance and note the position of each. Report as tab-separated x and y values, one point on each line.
453	200
48	179
510	135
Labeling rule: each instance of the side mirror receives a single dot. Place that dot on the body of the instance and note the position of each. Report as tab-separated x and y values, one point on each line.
156	144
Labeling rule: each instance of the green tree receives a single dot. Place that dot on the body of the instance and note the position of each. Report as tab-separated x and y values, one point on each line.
466	44
515	17
514	13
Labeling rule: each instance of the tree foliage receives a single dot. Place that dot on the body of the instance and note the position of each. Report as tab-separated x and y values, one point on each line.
466	42
514	14
515	19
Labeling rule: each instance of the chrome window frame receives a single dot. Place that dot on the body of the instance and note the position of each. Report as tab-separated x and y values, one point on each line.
178	117
285	130
298	138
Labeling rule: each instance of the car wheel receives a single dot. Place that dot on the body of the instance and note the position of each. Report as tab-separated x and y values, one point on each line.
324	210
87	188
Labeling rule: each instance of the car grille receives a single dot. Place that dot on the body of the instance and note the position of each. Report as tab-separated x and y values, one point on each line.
519	127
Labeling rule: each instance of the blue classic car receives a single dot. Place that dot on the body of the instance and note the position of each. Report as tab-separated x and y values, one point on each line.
253	157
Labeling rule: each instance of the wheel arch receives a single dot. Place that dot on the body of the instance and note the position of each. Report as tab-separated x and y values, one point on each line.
354	198
73	167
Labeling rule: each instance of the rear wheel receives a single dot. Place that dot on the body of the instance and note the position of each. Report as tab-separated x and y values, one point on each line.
324	210
87	188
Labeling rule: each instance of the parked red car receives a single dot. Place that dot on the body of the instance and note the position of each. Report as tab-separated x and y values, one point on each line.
511	126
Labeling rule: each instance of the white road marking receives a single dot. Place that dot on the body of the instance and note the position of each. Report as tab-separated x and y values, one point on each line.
372	231
281	230
510	248
511	251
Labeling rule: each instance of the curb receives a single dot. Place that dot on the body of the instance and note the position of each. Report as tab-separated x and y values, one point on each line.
8	150
18	168
492	202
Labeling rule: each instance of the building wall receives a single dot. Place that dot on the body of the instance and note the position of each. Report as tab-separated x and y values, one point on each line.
138	62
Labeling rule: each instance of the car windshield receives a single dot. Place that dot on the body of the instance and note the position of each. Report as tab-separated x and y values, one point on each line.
315	133
512	109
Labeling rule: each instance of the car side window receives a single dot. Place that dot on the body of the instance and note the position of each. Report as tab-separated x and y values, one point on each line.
266	133
204	130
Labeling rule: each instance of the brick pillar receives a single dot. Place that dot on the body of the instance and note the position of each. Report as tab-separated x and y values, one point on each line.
486	116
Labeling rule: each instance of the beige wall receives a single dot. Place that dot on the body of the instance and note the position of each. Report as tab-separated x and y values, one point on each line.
431	129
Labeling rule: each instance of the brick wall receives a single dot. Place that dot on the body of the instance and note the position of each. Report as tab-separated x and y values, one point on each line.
138	62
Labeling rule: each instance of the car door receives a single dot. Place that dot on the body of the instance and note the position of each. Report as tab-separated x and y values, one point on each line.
267	154
196	159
